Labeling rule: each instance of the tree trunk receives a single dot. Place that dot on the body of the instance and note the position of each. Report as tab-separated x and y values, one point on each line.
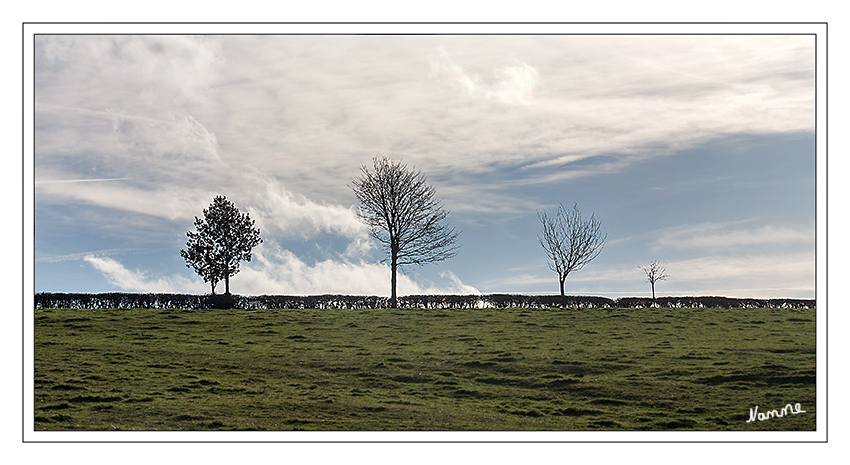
394	266
227	285
562	285
212	284
653	291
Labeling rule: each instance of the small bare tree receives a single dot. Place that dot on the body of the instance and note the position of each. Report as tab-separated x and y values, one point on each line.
570	241
403	215
654	272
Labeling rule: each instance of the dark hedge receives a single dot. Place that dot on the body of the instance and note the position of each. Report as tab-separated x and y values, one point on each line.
330	301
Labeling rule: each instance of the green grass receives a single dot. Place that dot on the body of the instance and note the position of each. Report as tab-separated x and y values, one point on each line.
459	370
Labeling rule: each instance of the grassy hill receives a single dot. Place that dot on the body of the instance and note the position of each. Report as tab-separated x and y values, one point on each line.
459	370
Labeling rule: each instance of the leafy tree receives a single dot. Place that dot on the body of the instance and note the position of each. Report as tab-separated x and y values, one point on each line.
223	238
403	215
654	272
570	241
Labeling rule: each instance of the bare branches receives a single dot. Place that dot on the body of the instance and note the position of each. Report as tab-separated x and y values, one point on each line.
570	241
654	272
403	214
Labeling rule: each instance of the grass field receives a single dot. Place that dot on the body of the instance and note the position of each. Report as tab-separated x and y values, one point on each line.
459	370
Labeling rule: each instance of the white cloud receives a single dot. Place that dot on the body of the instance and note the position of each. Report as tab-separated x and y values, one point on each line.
177	169
139	281
278	271
453	286
186	143
512	83
80	256
151	71
746	275
275	207
715	236
744	272
191	112
776	270
83	180
274	270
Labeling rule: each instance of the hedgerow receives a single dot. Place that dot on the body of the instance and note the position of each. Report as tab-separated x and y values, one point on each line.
432	301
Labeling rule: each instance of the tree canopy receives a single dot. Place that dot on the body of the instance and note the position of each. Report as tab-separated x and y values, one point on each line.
403	215
654	272
570	241
222	239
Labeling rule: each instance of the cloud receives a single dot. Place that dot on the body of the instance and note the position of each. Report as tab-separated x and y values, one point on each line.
512	84
80	256
139	281
82	180
453	286
278	271
289	213
170	201
177	169
191	112
776	271
751	275
720	236
782	275
274	270
183	139
153	71
785	275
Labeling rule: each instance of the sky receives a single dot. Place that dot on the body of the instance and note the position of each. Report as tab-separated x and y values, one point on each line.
694	150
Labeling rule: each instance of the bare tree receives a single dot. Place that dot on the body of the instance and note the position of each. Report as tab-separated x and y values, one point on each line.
403	215
223	238
570	241
654	272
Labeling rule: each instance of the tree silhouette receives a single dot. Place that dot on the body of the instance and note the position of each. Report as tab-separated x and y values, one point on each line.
403	215
570	241
654	272
223	238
